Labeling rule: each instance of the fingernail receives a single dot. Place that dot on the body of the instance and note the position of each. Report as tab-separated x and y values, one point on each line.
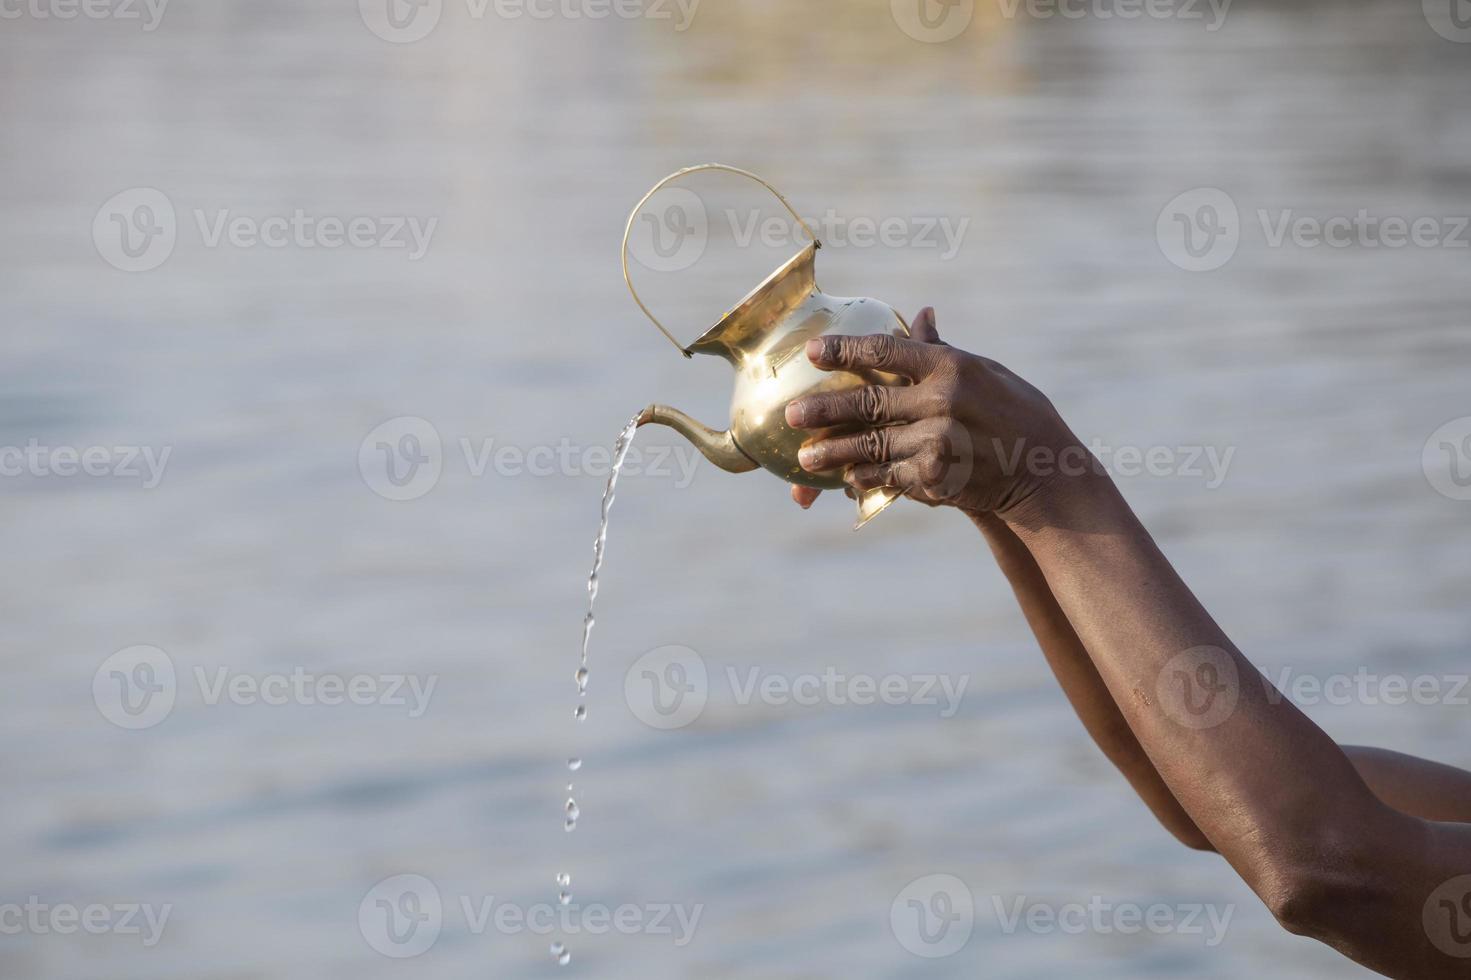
795	415
807	456
817	349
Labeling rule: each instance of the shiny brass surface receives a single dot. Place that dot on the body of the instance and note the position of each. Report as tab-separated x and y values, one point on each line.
764	337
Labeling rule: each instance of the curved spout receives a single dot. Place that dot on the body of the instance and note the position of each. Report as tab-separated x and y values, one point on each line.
718	447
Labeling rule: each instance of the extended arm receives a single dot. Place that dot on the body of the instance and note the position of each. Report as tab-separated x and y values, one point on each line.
1259	781
1409	784
1274	795
1081	682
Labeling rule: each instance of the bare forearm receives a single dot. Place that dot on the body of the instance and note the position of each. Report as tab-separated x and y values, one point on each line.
1181	685
1414	786
1278	798
1080	681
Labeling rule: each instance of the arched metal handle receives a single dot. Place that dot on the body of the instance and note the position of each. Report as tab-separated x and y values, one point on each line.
628	230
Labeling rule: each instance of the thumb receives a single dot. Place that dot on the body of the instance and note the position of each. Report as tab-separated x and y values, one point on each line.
923	327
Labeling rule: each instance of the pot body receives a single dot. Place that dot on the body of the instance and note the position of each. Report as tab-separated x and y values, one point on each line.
777	371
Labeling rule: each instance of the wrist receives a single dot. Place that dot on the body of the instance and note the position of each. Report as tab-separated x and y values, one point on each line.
1085	500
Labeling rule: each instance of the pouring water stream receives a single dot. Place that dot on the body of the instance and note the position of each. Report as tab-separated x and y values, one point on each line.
559	950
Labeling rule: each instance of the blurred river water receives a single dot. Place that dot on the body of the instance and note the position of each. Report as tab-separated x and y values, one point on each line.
384	459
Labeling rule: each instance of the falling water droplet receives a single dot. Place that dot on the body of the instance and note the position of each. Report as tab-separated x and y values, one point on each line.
559	951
